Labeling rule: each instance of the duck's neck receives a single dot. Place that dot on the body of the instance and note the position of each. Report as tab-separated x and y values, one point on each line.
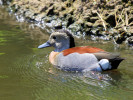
64	47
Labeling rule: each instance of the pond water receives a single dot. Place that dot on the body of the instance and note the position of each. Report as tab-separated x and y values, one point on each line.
26	74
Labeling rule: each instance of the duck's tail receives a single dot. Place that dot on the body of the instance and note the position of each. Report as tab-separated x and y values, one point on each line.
115	62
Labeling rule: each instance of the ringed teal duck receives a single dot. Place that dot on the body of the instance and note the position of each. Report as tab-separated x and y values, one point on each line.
86	58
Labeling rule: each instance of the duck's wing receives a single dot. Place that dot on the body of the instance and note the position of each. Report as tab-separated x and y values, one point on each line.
99	53
114	58
106	55
81	50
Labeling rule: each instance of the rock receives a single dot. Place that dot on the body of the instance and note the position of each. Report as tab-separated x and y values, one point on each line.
89	24
110	5
98	23
1	2
43	9
94	13
121	37
86	18
93	19
70	21
47	19
80	16
5	2
129	41
87	12
50	11
57	24
119	7
74	27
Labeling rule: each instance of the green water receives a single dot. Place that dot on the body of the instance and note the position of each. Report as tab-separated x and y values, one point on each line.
26	74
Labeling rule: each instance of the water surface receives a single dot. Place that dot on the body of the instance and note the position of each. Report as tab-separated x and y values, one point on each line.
26	74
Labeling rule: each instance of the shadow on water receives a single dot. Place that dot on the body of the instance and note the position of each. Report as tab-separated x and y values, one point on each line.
26	74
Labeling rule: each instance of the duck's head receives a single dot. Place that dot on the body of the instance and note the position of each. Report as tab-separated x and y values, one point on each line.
60	40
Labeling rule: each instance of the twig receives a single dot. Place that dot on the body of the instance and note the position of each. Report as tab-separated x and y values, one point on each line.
120	18
131	23
102	20
116	19
126	19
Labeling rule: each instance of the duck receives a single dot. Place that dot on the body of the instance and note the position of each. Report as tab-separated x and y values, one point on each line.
67	57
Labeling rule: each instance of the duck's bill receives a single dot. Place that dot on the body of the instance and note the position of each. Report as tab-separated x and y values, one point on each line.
47	44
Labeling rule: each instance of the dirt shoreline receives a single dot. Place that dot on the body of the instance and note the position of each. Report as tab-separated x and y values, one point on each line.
105	19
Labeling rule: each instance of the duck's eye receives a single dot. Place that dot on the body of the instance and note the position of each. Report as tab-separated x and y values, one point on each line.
54	37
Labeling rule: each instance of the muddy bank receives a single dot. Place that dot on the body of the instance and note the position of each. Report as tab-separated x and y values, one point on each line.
100	19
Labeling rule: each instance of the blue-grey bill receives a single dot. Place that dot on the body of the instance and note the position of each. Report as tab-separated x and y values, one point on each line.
47	44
